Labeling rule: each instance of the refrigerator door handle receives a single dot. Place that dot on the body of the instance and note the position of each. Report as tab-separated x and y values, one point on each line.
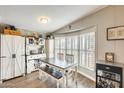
13	55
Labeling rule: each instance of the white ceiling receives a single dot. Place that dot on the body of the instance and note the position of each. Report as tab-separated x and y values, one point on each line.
26	17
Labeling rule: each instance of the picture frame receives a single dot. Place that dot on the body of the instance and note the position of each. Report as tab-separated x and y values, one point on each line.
115	33
109	57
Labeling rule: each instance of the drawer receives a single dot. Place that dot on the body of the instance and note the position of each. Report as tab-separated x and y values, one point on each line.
32	57
43	55
36	56
29	57
109	68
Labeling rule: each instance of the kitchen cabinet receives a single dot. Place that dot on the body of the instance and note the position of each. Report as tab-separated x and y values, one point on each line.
30	66
12	56
35	51
33	61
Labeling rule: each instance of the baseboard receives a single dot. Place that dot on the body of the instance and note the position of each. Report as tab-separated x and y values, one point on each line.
91	78
11	78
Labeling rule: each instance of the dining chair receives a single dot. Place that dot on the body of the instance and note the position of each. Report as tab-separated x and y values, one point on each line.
70	59
60	56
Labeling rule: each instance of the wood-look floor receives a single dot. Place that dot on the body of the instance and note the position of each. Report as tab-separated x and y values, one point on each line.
32	81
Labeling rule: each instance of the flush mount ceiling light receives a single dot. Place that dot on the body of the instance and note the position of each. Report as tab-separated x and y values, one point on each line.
44	20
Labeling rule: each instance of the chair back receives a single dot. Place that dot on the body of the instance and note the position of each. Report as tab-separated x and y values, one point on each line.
69	58
60	56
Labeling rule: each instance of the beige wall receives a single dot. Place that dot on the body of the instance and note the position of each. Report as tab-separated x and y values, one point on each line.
107	17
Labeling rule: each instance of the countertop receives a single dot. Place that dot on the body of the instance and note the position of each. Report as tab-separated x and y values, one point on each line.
110	63
35	54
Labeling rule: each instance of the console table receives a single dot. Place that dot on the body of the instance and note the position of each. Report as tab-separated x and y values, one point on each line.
109	75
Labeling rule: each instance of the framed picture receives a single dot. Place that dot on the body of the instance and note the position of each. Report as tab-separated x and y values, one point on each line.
109	57
115	33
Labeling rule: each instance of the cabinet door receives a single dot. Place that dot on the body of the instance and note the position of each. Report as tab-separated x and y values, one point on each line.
19	51
30	66
6	54
49	44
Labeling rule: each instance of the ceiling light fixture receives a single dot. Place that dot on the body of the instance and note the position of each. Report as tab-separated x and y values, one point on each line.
44	20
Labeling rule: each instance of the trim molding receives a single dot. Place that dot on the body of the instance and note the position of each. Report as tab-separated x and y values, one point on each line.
91	78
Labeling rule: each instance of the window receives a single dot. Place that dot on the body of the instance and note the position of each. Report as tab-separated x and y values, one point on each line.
72	46
67	45
87	50
75	47
59	45
81	46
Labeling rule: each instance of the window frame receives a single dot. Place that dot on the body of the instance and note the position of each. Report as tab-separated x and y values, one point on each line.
78	47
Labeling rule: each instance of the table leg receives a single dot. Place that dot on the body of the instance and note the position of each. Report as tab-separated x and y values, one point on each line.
1	81
40	74
76	75
58	83
66	74
64	81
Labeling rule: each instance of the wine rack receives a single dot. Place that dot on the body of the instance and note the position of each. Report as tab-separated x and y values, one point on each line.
108	76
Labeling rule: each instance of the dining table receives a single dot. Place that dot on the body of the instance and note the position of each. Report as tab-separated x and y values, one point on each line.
64	67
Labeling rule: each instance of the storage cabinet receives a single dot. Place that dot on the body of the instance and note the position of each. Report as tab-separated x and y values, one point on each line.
49	44
33	60
34	53
30	66
12	56
109	75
